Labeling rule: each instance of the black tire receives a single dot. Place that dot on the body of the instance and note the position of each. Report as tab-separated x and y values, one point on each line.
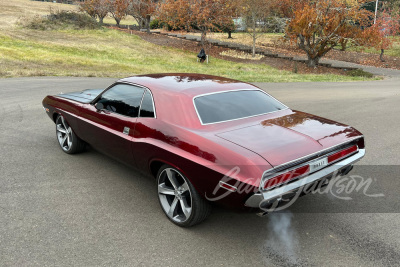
67	139
185	196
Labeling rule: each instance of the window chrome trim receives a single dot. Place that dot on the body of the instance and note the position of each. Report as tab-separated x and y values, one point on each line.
152	101
271	171
236	90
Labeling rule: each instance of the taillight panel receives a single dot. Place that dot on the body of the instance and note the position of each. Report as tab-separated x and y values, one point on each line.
285	177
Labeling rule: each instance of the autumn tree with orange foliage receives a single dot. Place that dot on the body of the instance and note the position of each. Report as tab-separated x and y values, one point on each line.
318	26
141	11
118	9
386	25
95	8
202	15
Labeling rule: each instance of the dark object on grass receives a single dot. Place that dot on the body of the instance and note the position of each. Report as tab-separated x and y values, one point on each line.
202	55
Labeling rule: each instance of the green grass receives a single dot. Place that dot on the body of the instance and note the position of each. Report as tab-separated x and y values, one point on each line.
393	51
126	21
109	53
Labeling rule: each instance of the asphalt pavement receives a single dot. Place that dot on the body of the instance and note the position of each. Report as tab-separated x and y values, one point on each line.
89	210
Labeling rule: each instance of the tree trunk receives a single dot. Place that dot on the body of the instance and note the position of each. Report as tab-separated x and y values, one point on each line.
313	62
148	23
118	21
254	38
101	19
254	45
143	24
381	55
203	39
229	34
343	45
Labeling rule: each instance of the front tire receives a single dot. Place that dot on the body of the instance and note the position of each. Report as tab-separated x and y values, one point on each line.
69	142
179	199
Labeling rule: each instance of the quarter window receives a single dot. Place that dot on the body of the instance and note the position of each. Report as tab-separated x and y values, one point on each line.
147	108
123	99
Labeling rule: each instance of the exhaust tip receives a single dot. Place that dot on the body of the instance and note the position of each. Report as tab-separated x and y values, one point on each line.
262	214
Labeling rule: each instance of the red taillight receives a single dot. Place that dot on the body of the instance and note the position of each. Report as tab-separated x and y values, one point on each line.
287	176
342	154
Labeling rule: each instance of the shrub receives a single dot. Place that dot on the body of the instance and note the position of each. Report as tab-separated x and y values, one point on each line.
276	24
359	73
155	24
63	20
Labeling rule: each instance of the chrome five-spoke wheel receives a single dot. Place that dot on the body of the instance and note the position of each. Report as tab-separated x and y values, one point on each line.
179	199
64	133
174	194
66	137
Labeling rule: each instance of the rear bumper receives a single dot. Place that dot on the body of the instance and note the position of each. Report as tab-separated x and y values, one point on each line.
259	199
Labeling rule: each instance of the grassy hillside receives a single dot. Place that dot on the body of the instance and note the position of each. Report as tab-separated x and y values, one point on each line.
109	53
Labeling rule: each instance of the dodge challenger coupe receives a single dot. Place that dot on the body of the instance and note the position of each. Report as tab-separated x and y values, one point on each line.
206	139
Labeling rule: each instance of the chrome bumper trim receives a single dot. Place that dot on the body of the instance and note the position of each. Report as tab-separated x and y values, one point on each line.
255	200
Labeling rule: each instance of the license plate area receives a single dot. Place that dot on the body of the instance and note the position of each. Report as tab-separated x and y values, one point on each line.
319	164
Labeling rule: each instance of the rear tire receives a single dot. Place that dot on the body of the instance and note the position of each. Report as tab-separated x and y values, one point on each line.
179	199
67	139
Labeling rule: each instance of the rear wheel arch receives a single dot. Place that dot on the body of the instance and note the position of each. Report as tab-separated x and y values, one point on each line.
156	164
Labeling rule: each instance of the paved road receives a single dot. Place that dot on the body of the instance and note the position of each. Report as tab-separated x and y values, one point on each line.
88	210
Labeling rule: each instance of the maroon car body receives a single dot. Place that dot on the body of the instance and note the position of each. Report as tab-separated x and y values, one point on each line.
206	152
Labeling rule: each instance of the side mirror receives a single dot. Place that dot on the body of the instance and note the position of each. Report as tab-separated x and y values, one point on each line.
99	106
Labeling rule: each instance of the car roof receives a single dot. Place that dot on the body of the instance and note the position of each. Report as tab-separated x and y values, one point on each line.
190	84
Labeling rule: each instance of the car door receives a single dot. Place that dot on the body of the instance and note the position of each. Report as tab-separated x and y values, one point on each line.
145	132
108	123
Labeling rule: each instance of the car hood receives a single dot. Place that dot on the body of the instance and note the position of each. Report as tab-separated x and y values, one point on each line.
290	137
85	96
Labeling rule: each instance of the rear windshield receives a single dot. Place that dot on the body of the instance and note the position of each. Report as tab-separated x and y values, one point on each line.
234	105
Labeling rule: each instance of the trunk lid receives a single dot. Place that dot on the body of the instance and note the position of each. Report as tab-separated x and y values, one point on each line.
290	137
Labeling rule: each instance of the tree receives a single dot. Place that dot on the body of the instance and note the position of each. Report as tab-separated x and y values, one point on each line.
88	6
118	9
95	8
386	25
141	11
318	26
255	13
176	13
286	8
202	15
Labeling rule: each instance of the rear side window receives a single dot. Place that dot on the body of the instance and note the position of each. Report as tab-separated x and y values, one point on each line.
123	99
233	105
147	108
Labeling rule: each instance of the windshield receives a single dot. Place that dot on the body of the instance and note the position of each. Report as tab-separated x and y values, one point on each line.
233	105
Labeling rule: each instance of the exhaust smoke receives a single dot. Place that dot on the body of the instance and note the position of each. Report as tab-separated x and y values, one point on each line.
282	240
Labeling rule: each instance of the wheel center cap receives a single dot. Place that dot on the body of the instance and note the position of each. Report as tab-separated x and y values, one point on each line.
178	193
